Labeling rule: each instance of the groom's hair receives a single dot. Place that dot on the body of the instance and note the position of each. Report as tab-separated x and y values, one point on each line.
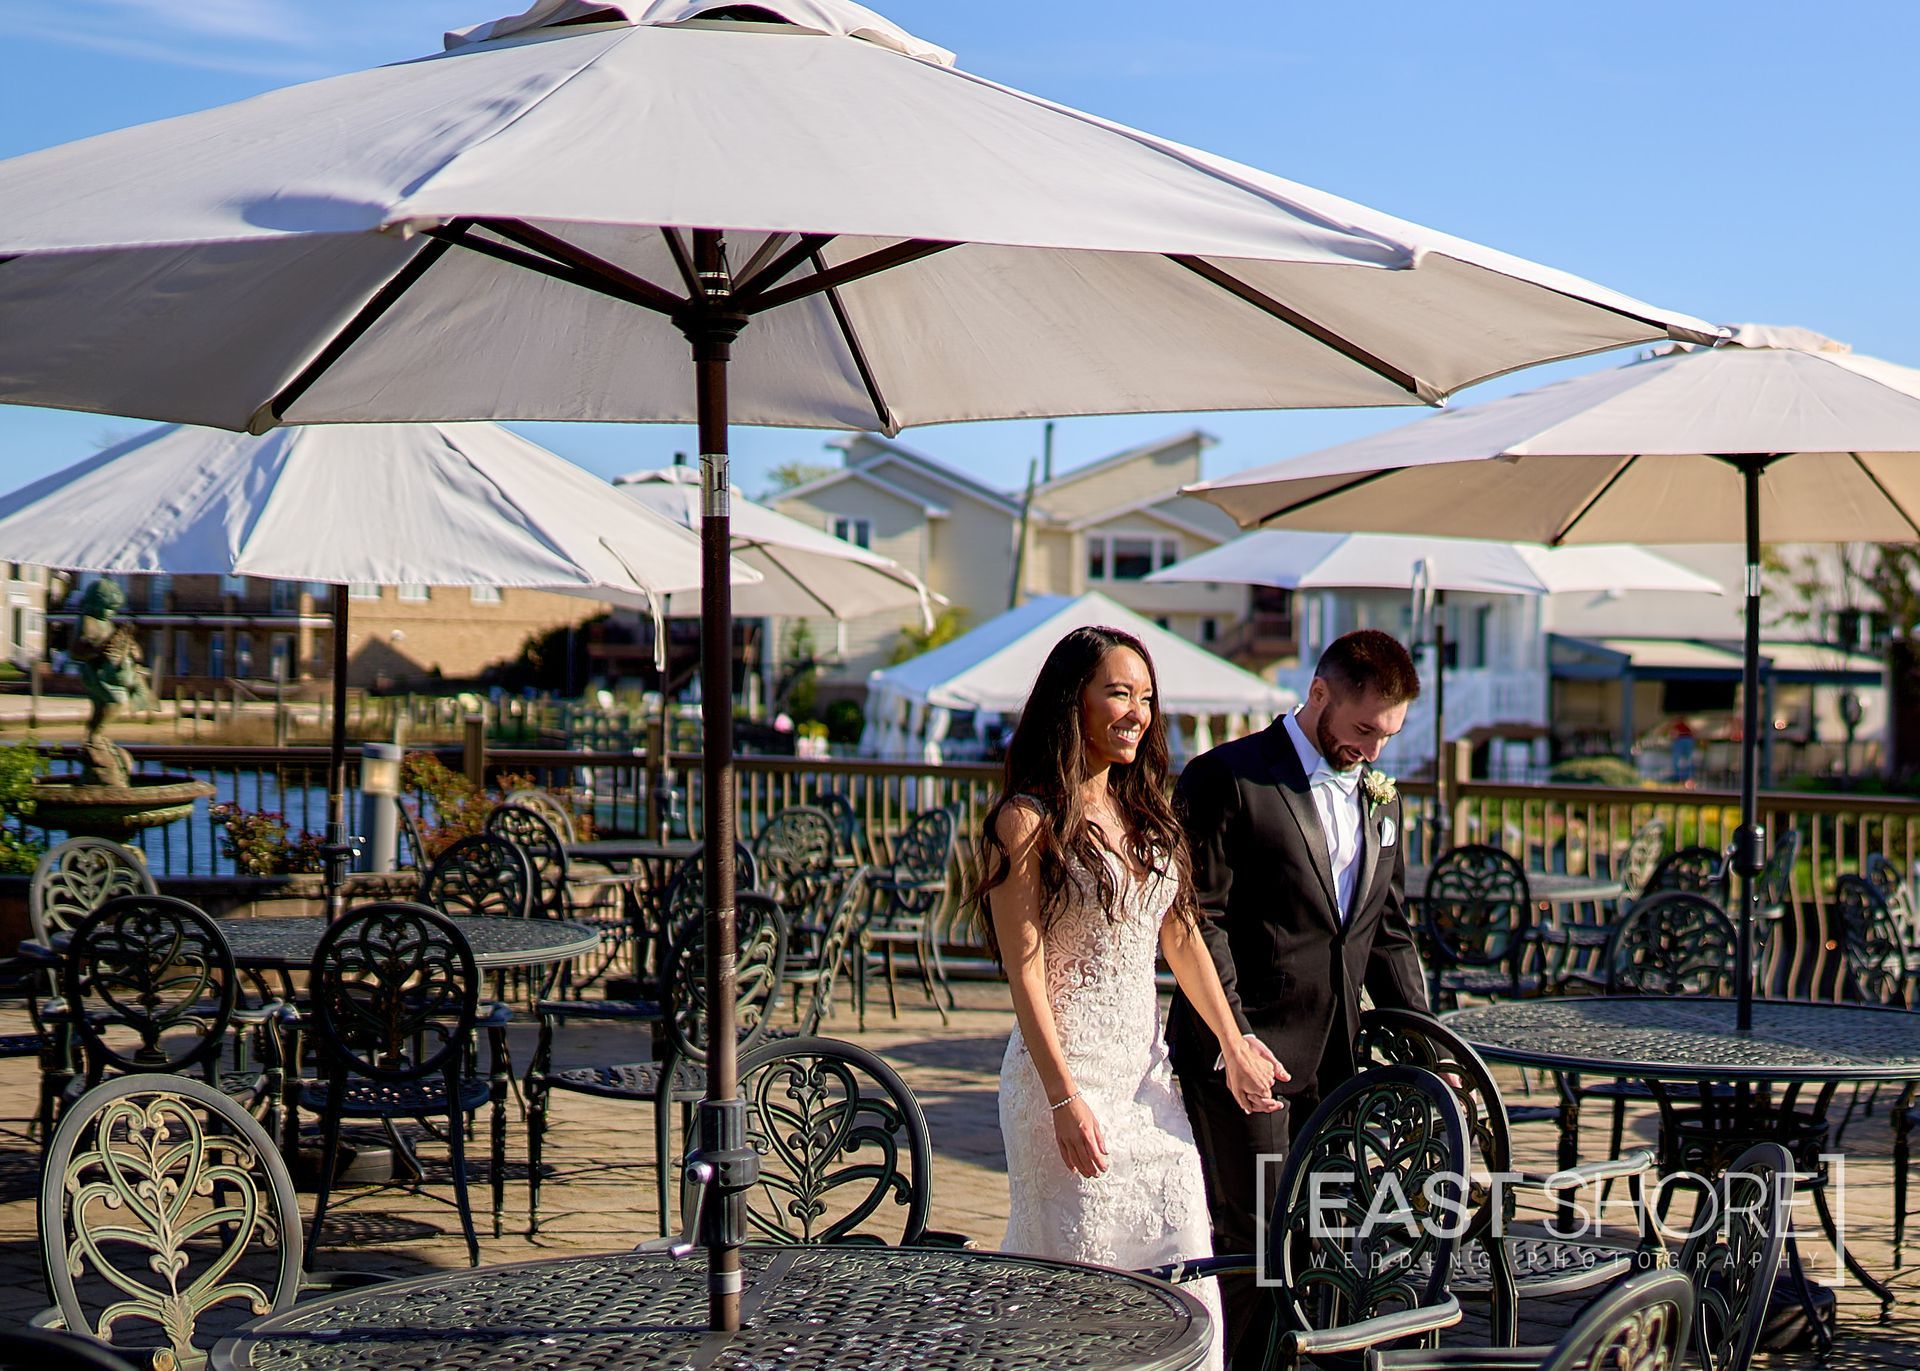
1367	659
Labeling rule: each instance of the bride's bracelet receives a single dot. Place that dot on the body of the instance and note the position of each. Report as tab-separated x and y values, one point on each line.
1056	1108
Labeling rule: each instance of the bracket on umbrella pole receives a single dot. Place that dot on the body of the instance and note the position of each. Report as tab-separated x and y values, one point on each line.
732	1168
339	852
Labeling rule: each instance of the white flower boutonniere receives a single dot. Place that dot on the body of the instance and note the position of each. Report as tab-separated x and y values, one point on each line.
1380	789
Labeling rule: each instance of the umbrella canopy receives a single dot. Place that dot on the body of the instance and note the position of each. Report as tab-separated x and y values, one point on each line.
546	220
386	504
1309	561
804	571
371	247
993	666
1781	432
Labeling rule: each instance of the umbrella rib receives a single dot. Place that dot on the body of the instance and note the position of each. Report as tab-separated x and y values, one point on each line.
1897	507
558	271
1320	333
753	279
365	318
1343	488
683	263
645	292
1592	500
787	571
885	259
881	409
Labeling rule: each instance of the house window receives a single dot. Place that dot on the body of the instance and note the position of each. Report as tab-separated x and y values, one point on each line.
157	588
1128	557
19	627
243	654
1482	635
859	532
414	593
234	585
486	595
217	655
1209	630
282	656
286	596
1161	621
182	653
362	590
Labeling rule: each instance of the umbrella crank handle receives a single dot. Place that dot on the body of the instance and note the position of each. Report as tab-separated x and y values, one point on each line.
1750	849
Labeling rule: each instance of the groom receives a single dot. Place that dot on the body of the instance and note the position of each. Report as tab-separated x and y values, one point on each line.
1298	863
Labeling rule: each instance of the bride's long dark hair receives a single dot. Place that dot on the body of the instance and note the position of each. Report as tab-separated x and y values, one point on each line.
1047	761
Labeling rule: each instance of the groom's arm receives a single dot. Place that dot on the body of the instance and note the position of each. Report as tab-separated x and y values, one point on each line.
1396	977
1207	800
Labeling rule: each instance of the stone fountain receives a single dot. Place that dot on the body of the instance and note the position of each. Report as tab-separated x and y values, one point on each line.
108	799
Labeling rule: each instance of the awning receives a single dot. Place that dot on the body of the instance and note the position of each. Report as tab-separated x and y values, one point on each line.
1705	659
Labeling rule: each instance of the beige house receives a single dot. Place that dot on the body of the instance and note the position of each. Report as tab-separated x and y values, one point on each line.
1102	527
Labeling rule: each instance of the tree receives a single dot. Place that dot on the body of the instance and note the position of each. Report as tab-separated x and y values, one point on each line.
915	639
790	474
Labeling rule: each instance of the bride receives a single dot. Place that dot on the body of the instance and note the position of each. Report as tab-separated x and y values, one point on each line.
1085	876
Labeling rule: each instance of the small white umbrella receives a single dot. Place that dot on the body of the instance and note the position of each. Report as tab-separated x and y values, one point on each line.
804	570
1295	560
386	504
1781	431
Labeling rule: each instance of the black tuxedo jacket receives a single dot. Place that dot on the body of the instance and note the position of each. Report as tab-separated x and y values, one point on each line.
1292	967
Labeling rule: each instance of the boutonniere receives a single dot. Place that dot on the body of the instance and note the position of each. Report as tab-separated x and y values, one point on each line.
1380	789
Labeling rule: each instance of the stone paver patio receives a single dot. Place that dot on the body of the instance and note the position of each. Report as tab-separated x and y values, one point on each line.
599	1196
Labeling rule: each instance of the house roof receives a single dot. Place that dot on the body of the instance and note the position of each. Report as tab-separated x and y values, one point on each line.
1152	507
1066	478
922	464
861	474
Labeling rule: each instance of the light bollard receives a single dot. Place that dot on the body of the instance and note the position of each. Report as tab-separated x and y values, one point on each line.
379	798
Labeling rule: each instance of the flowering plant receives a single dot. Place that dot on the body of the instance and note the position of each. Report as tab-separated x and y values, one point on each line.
261	844
1380	789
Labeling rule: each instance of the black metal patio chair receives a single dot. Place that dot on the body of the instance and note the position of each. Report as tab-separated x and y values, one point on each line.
1477	918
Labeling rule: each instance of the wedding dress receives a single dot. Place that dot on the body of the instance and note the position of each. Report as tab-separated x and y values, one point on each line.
1151	1205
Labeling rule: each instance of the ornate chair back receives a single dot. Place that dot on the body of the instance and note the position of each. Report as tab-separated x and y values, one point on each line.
1477	908
540	842
1873	958
548	806
794	855
1643	1323
1732	1256
78	876
686	892
410	830
167	1217
843	924
846	823
920	858
150	985
1695	870
1379	1140
843	1145
1642	857
481	874
1775	881
760	962
1674	943
395	992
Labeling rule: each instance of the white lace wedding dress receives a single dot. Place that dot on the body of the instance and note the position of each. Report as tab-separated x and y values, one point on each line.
1151	1205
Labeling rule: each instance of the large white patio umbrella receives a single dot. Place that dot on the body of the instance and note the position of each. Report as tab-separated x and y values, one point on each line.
804	571
843	229
383	504
1781	433
1293	560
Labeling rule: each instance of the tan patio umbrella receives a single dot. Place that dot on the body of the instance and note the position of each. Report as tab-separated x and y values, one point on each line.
844	230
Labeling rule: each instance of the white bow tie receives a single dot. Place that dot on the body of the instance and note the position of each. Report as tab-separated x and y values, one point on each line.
1346	782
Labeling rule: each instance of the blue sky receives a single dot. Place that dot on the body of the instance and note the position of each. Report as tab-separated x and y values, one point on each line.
1737	159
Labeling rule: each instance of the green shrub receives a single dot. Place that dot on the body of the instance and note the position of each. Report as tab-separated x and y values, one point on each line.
20	763
845	721
1607	771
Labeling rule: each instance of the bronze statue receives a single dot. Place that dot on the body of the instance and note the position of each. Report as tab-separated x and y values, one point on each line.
108	656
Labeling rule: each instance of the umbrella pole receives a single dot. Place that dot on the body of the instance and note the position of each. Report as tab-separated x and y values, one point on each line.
1750	840
1442	812
338	851
723	1162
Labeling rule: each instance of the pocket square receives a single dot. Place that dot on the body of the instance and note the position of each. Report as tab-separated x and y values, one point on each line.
1387	831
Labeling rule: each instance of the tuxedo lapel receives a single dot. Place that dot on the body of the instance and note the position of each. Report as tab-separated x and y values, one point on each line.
1369	851
1290	779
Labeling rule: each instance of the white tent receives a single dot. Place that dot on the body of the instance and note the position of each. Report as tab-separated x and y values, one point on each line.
991	670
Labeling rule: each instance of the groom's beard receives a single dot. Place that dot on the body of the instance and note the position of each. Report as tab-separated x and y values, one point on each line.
1339	756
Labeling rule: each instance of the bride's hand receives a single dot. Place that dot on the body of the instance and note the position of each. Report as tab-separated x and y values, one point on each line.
1251	1071
1082	1146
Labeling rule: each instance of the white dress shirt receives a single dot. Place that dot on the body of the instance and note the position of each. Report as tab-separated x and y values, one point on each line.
1335	796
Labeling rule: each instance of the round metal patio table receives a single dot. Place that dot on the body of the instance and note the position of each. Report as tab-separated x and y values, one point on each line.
803	1309
498	943
1696	1039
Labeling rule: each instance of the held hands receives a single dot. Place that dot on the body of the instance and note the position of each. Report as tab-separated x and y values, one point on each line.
1252	1070
1082	1146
